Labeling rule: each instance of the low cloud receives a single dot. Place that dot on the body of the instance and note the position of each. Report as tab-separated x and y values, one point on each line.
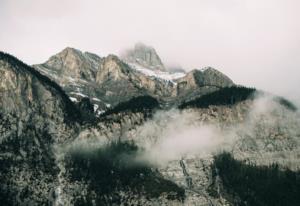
265	127
173	134
262	130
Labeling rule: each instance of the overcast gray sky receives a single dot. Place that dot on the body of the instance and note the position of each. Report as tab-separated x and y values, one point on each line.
254	42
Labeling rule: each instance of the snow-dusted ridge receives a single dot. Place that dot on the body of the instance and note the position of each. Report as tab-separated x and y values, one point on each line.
157	73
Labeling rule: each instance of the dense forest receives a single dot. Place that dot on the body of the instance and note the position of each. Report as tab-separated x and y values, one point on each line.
115	168
224	96
136	104
254	185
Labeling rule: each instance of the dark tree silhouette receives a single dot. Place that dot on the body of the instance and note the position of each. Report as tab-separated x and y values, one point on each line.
257	185
114	168
136	104
224	96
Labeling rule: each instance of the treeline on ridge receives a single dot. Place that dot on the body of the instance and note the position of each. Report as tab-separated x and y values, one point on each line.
136	104
231	96
224	96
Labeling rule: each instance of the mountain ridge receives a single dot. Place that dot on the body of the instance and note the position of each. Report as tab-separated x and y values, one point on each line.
83	78
148	151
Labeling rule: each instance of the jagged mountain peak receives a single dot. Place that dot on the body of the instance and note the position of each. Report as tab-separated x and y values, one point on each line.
67	54
74	51
71	54
145	56
71	63
70	50
143	47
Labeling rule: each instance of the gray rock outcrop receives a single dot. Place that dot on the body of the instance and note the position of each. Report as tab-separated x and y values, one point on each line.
144	56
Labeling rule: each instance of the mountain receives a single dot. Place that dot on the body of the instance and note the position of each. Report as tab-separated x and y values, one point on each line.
195	139
108	81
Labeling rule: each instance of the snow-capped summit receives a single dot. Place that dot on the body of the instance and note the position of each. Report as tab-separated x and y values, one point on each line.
145	60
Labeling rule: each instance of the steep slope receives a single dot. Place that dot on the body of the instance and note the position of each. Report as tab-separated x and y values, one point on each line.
35	115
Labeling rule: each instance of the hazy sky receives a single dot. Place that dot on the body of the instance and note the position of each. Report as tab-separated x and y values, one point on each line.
254	42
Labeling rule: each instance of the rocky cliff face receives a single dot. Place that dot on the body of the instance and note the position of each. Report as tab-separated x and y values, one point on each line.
54	151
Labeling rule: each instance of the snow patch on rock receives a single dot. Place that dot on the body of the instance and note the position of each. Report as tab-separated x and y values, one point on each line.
157	74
